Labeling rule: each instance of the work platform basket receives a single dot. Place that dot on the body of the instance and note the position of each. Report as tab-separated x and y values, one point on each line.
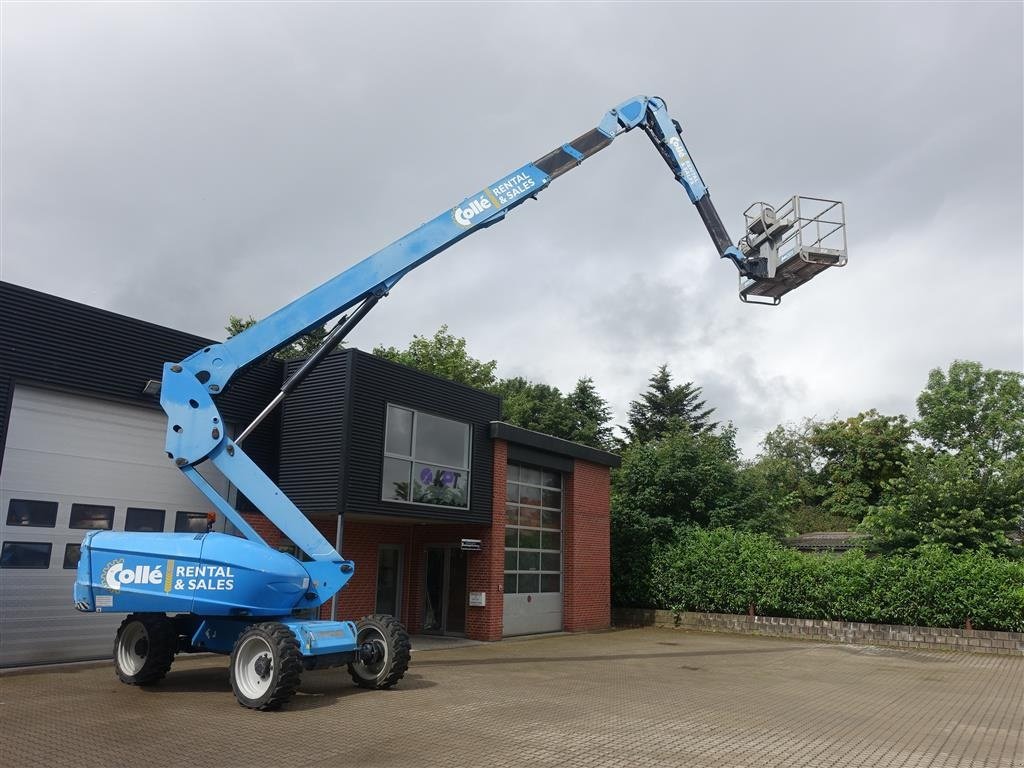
799	239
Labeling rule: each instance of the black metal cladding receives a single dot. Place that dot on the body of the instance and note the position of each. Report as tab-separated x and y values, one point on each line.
49	341
521	440
313	435
521	454
6	394
333	432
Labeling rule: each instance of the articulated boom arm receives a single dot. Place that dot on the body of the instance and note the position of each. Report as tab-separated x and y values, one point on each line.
195	431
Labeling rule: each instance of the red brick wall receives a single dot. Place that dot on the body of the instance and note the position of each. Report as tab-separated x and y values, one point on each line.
587	569
361	542
487	567
265	528
587	548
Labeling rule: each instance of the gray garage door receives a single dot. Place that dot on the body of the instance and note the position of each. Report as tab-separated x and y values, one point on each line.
533	551
72	464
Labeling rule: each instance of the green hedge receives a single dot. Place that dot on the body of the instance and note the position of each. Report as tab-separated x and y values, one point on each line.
724	571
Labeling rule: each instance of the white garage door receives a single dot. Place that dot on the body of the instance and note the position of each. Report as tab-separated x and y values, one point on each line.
73	464
533	551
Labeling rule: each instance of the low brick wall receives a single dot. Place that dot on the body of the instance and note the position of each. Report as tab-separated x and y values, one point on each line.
899	636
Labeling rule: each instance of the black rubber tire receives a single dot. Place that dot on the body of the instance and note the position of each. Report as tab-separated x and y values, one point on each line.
393	640
276	648
144	648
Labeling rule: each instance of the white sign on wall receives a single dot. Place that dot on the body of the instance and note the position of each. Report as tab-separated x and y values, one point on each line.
478	599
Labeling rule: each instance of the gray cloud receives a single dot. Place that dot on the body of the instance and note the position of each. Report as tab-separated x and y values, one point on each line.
182	162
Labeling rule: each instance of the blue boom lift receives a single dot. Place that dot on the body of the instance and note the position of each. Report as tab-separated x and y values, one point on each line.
213	592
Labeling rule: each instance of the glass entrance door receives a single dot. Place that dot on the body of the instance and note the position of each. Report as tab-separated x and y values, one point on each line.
455	620
433	609
445	596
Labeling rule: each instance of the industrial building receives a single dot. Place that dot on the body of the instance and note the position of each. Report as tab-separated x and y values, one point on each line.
458	523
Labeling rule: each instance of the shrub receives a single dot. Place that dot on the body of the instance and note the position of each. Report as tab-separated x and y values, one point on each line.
726	571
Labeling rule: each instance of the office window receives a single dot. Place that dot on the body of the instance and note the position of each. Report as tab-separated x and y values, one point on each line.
426	459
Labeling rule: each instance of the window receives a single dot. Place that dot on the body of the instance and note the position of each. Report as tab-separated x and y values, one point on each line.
426	459
144	520
92	517
37	514
533	530
389	579
71	554
190	522
25	554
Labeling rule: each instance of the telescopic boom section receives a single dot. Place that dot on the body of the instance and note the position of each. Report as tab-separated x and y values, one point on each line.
195	430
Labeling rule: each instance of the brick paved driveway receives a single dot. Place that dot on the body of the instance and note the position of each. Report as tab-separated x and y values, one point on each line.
626	698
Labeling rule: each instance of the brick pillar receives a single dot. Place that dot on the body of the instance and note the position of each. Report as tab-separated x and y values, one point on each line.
587	548
486	567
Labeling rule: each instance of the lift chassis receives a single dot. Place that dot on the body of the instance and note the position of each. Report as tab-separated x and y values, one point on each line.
234	595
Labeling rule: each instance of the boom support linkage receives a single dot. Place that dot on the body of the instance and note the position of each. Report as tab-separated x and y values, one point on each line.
195	430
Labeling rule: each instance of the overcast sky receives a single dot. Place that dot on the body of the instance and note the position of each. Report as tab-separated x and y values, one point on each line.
178	163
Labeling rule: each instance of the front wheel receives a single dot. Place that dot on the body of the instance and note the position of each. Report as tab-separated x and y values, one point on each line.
383	652
265	666
144	648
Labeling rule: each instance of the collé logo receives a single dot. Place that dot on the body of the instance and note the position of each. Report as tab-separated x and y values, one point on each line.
114	574
677	144
464	214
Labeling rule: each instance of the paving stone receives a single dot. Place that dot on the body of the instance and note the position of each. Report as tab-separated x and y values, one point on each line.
664	698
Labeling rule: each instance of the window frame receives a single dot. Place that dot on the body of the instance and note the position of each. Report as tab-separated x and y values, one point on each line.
413	460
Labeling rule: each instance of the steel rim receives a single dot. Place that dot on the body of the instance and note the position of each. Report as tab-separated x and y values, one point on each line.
133	648
254	667
376	638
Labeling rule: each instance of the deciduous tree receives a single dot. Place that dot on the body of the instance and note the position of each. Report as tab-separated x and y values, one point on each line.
964	484
581	416
443	354
858	457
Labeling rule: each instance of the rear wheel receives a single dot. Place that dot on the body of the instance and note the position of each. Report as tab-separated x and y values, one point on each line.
383	652
144	648
266	666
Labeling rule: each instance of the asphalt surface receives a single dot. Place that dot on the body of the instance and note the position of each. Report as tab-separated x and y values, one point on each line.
648	697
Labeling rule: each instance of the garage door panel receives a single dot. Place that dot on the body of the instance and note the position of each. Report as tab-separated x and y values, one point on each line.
37	472
533	551
45	411
76	450
40	623
530	614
